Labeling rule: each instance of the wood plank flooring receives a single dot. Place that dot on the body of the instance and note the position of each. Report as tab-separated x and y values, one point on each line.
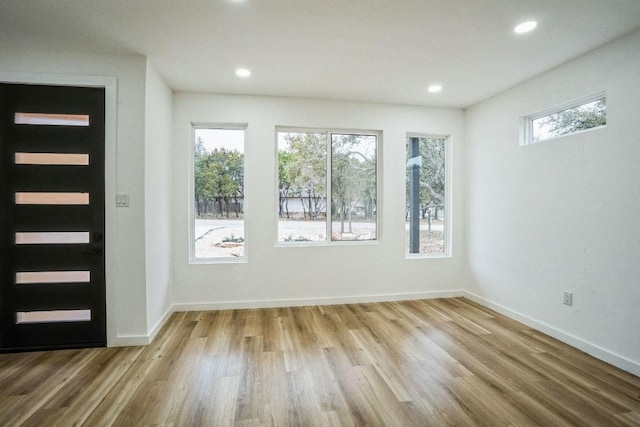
414	363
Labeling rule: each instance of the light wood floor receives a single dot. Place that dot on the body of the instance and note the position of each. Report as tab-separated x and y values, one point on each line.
416	363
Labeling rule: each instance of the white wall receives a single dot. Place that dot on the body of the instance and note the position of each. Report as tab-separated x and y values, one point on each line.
294	275
125	251
562	215
158	197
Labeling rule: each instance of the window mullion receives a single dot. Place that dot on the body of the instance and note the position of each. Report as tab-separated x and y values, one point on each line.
329	192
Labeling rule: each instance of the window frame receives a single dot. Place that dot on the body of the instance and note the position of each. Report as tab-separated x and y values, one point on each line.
328	152
526	133
191	191
448	199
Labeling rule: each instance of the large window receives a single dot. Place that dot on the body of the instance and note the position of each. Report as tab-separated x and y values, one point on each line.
322	171
581	115
218	230
426	196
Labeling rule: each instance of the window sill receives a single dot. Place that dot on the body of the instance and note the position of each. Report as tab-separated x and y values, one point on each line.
427	256
206	261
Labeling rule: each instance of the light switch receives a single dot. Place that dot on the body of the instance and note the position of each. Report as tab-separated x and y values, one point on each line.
122	200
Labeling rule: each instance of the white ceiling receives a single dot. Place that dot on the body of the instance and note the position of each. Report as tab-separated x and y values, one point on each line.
363	50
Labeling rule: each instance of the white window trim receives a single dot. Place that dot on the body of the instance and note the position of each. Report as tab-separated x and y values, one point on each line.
191	193
328	132
448	200
526	125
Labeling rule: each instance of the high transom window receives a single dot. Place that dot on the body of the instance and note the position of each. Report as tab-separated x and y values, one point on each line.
577	116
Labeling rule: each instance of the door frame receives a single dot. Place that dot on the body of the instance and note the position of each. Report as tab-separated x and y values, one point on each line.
110	85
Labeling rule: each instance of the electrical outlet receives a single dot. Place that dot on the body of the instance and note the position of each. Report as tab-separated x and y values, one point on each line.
568	298
122	200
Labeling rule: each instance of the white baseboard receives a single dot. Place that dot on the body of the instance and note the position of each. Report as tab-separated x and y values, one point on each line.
160	323
138	340
589	348
129	341
276	303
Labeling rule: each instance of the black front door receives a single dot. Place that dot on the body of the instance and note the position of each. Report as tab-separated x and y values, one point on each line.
52	278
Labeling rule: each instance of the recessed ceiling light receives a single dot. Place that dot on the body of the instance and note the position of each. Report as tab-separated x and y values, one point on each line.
525	27
434	88
243	72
